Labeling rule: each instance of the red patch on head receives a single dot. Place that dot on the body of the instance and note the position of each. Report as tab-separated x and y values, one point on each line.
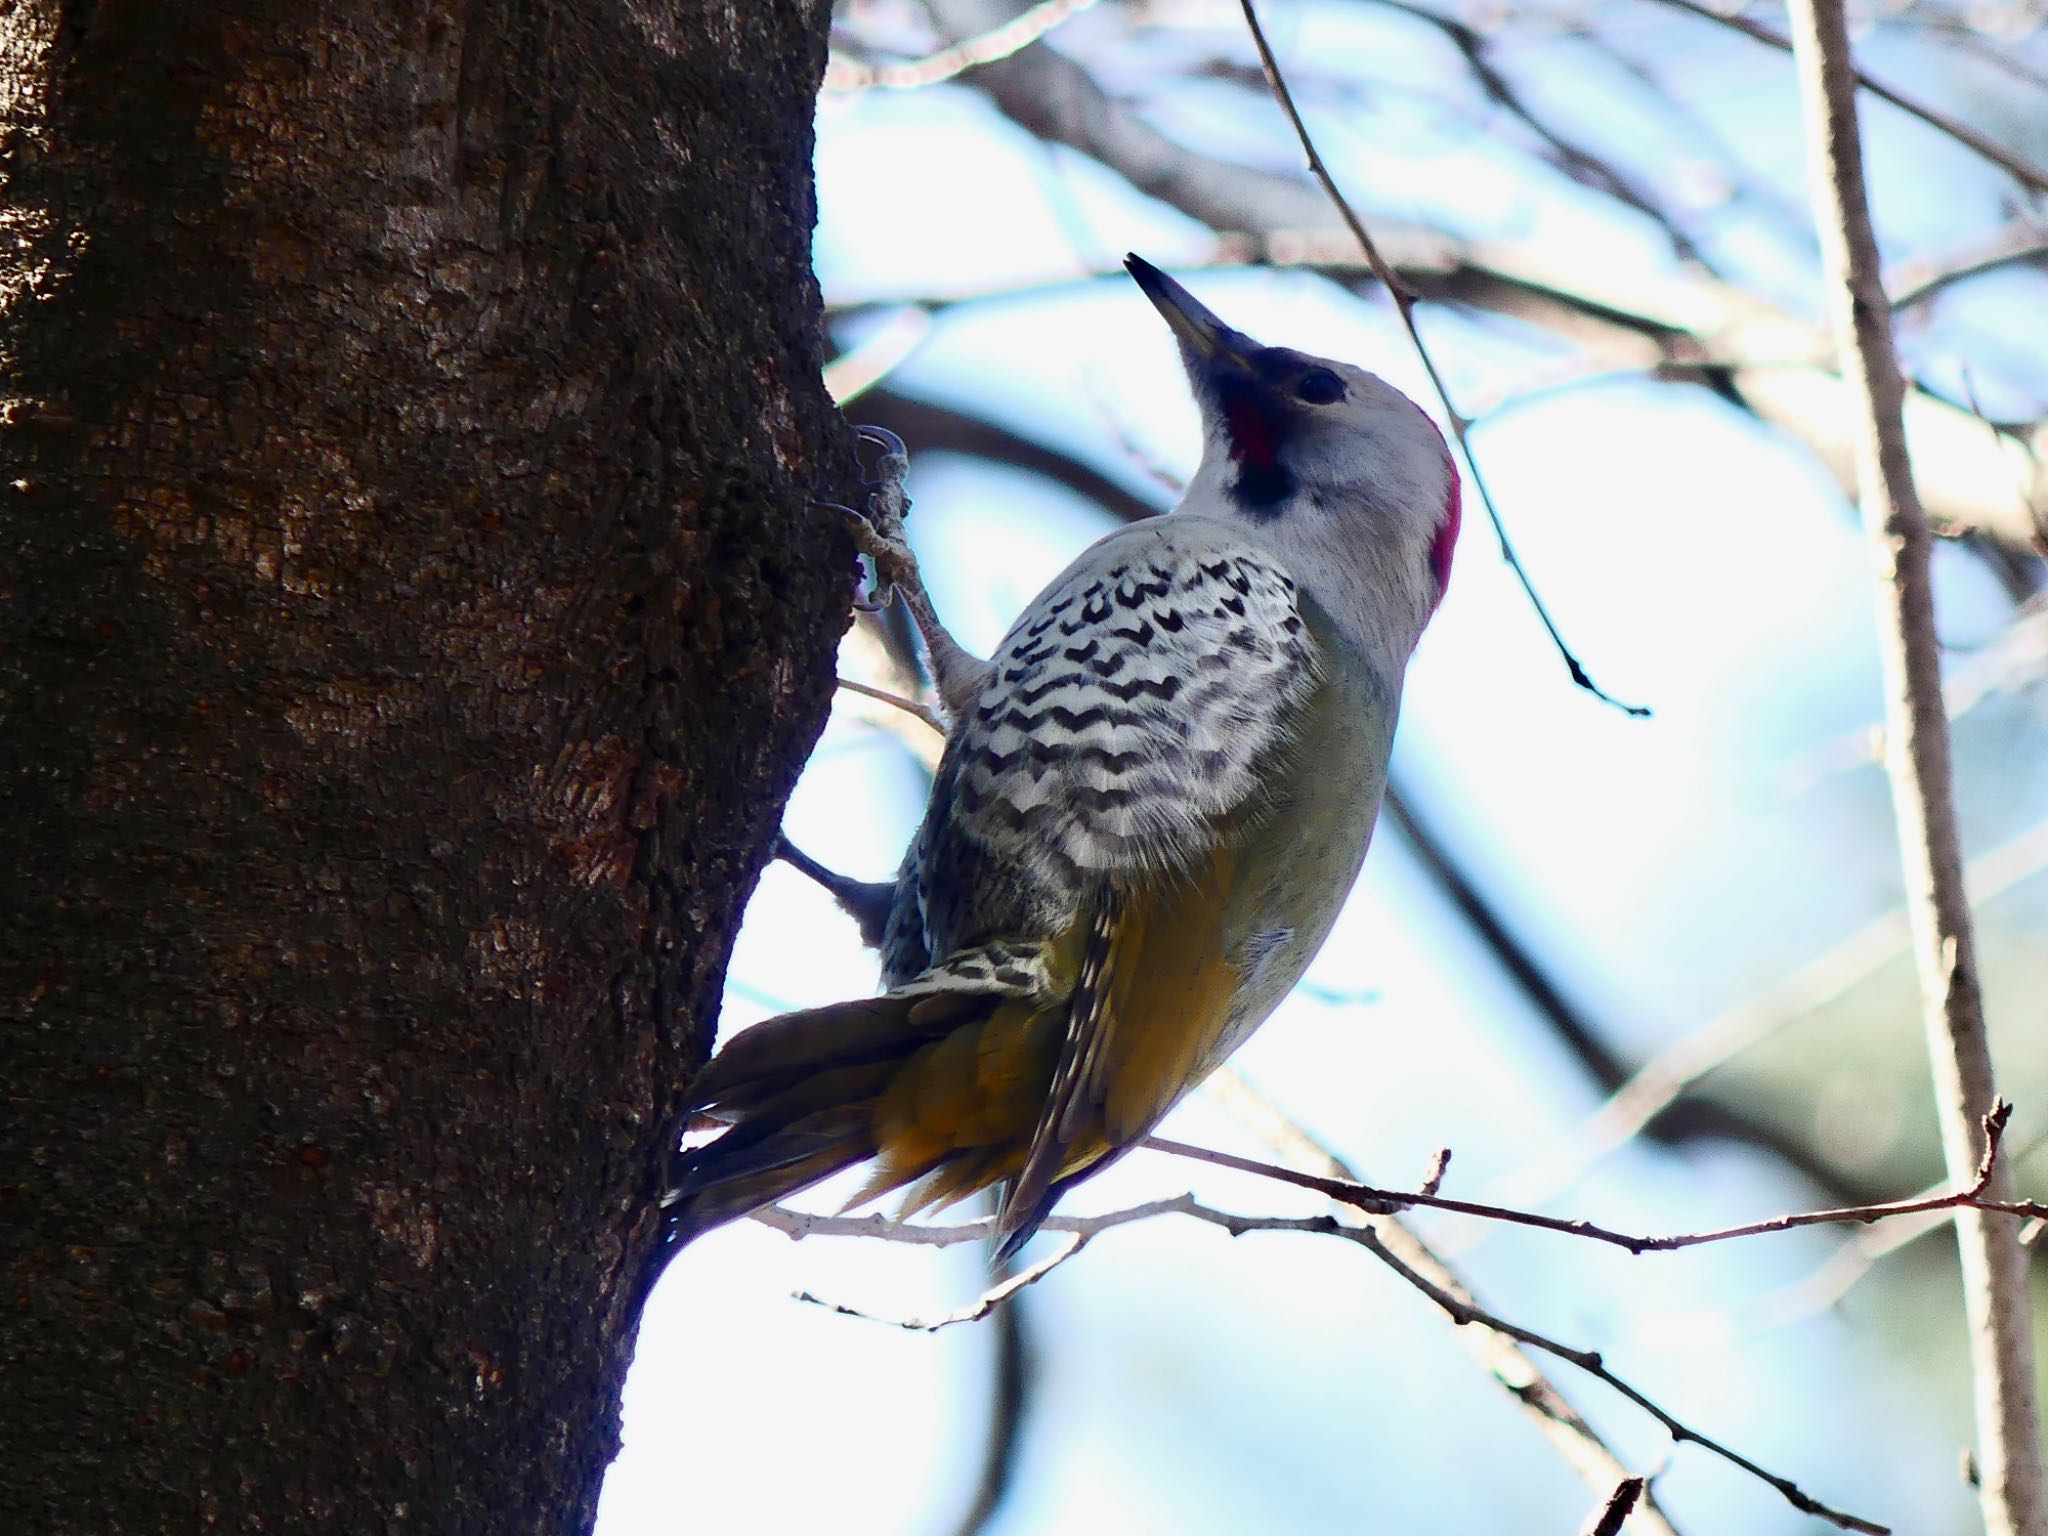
1446	540
1252	439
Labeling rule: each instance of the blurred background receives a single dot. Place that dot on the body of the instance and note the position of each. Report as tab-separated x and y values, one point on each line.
1602	209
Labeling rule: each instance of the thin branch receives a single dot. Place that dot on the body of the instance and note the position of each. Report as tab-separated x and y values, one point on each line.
2024	241
1974	1196
1438	1167
1404	303
1611	1516
1590	1362
798	1225
1555	1417
872	648
845	75
1458	1307
986	1303
1846	1267
2022	171
1576	161
1982	479
933	427
2013	1489
909	707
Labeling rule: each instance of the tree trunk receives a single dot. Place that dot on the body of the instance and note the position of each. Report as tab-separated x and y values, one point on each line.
413	621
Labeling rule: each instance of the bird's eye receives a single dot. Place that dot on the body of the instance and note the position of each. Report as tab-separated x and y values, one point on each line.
1319	386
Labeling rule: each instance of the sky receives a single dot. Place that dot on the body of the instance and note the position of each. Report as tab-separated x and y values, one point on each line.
1664	869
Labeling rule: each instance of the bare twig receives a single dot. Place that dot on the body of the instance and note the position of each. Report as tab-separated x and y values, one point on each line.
798	1225
2023	241
1438	1167
872	650
1404	303
1840	1274
2013	1490
1457	1306
2022	171
1611	1516
909	707
1974	1196
1576	161
844	74
1590	1362
932	426
1555	1417
986	1303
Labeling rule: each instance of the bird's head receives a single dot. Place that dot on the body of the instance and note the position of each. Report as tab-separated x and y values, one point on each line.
1335	461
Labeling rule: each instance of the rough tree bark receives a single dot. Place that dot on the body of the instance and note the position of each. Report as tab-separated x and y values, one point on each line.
412	623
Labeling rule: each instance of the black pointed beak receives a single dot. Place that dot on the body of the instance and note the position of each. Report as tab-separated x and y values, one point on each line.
1224	367
1206	343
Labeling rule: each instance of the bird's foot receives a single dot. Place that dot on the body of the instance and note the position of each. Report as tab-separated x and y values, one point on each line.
877	527
879	535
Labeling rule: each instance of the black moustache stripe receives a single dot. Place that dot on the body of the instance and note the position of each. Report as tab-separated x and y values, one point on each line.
1262	488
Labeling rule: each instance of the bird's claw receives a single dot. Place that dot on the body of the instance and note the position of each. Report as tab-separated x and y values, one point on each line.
881	557
895	461
878	529
888	503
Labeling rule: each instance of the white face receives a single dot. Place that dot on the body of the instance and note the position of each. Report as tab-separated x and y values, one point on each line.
1370	446
1329	458
1336	470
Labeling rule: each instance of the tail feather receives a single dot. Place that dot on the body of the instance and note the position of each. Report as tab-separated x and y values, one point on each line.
724	1199
803	1095
959	1176
777	1117
839	1129
779	1051
757	1107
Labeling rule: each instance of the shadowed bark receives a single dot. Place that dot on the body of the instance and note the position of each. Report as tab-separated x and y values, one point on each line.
411	622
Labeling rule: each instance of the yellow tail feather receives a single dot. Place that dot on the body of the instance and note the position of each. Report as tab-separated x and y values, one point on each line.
947	1081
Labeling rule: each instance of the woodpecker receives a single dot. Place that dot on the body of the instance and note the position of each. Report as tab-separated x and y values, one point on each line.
1154	799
